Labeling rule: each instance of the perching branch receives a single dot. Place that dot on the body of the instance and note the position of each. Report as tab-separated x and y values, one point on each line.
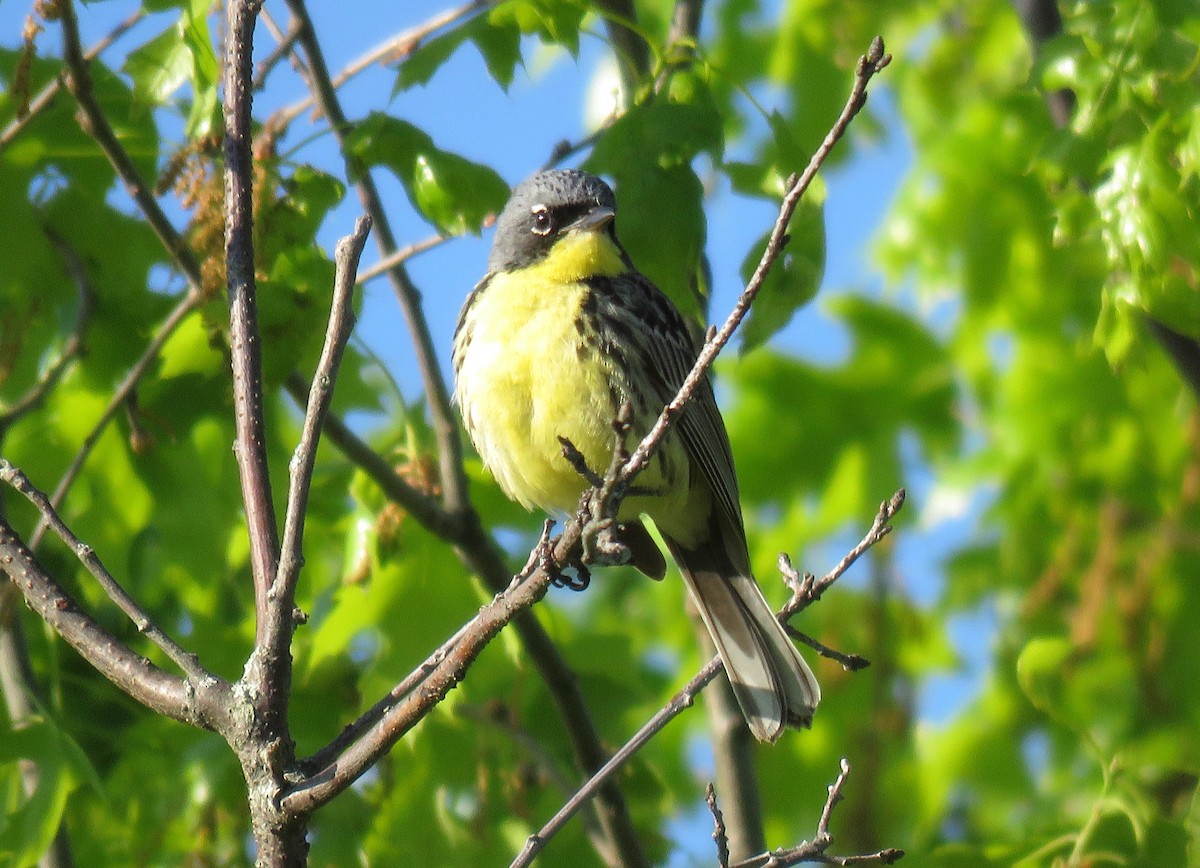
600	503
808	851
688	693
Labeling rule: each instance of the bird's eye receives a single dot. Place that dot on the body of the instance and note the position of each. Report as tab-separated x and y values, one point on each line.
543	223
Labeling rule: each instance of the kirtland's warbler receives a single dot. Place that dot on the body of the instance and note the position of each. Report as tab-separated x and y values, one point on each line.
557	337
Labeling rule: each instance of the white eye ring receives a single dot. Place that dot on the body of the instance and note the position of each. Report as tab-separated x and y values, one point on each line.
543	223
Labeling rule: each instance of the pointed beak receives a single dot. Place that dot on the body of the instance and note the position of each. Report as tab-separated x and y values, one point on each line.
594	220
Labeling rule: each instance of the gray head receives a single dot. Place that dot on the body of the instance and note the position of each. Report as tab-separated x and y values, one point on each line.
542	209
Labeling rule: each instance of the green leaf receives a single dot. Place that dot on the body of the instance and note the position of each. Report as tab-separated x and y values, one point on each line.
160	67
500	45
1040	673
453	193
420	66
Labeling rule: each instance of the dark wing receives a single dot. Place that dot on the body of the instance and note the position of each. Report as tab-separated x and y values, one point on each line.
462	330
669	350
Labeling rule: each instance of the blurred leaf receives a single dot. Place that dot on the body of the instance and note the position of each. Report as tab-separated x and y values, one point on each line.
160	67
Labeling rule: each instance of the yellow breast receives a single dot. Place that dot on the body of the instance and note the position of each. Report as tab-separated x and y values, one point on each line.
529	375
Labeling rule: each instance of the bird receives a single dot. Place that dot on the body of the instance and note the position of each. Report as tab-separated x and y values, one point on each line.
560	334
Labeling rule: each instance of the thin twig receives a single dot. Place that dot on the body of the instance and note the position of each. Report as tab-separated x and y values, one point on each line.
337	335
870	64
401	256
187	662
851	662
806	589
815	850
203	703
394	50
47	94
280	617
185	307
33	398
718	835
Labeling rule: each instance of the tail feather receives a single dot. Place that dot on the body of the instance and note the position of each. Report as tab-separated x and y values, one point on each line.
772	683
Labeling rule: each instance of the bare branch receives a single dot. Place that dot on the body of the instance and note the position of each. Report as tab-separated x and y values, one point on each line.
187	663
200	701
47	94
686	696
394	50
806	589
280	619
868	65
718	835
814	850
244	340
851	662
337	335
186	306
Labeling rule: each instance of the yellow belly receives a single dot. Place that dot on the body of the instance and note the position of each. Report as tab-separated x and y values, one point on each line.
528	378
